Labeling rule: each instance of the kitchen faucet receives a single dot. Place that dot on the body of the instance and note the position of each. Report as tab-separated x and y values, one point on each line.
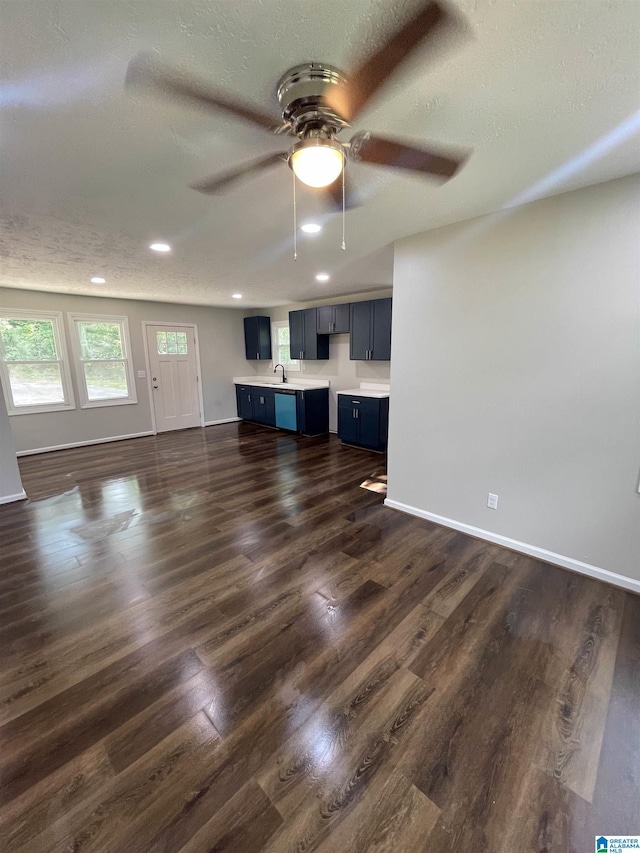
284	378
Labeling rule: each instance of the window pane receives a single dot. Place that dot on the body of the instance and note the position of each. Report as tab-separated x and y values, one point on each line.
100	340
172	344
283	335
28	340
182	343
106	381
35	384
161	340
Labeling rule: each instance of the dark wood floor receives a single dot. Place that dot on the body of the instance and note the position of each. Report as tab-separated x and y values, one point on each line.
215	640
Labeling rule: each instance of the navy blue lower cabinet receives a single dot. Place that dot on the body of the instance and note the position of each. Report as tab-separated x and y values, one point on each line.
347	423
313	411
363	421
243	398
306	412
263	406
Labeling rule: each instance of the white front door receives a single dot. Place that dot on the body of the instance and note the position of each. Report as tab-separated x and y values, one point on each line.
174	376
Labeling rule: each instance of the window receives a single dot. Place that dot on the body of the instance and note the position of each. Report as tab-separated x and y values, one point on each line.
171	343
103	354
280	338
34	368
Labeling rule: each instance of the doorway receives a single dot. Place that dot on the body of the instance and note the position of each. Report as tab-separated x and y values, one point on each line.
174	374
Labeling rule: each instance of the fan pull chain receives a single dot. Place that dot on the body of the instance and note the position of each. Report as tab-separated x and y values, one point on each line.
295	220
344	245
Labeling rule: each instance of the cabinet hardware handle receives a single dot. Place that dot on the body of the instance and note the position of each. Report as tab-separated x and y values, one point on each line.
257	355
355	401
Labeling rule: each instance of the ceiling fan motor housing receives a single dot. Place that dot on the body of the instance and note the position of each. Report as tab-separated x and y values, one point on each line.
301	94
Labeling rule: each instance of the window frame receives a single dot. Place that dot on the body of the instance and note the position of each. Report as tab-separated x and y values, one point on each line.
56	318
127	359
294	366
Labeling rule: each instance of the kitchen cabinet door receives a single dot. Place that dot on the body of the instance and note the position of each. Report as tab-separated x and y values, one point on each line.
333	319
313	411
370	330
341	319
296	335
257	338
360	339
380	330
369	427
347	424
325	319
243	396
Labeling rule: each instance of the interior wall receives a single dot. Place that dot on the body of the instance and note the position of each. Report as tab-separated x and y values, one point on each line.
516	371
10	482
221	339
338	368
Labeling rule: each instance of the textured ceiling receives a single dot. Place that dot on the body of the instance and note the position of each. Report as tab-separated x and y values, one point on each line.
546	93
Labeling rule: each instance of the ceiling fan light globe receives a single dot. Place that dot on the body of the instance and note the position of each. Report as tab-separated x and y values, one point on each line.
317	165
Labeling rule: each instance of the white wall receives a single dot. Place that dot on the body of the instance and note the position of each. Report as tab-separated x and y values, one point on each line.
10	482
338	368
221	337
516	370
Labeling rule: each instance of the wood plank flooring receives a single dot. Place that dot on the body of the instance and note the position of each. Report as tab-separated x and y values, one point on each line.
214	640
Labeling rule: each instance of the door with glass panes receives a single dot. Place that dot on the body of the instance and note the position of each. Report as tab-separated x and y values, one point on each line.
174	376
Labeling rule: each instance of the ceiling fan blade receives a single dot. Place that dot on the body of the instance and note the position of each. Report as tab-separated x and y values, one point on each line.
365	80
145	70
385	151
333	195
221	182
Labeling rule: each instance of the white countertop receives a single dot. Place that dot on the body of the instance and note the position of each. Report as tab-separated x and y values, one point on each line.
264	382
365	392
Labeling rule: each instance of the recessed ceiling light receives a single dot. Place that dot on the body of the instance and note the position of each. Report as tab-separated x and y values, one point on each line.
236	296
311	228
160	247
322	276
98	280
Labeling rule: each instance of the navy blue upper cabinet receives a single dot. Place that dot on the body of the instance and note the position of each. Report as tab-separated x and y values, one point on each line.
333	319
360	340
257	337
305	344
370	330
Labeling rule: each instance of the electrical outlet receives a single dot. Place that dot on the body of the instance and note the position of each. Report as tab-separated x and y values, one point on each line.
492	501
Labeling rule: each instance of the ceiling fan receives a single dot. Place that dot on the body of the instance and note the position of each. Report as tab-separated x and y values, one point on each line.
318	102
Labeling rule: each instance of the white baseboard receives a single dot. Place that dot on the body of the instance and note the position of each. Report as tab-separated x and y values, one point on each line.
522	547
19	496
222	421
82	443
